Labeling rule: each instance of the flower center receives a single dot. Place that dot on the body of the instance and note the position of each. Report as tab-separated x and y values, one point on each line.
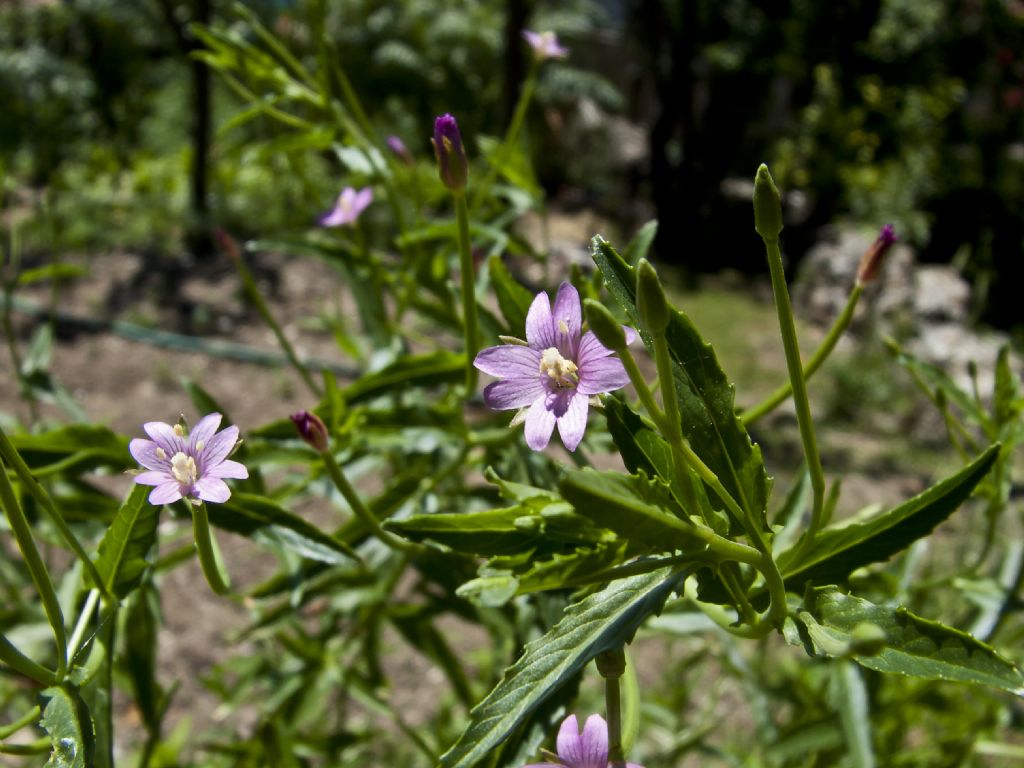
184	469
560	370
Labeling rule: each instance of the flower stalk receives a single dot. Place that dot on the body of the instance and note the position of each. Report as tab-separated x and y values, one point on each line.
768	222
611	665
468	278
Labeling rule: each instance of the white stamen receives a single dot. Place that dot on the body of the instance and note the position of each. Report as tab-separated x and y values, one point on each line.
560	370
183	468
161	453
179	430
563	327
200	445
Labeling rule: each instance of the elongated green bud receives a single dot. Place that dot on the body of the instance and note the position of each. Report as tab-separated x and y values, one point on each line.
650	298
767	205
607	329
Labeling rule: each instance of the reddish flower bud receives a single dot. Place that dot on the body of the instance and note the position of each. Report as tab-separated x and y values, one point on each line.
452	165
871	262
397	146
312	429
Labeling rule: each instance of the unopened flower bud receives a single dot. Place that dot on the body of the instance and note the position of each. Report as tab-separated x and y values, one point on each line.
871	262
651	303
607	329
228	244
397	146
867	639
452	165
767	205
312	429
611	664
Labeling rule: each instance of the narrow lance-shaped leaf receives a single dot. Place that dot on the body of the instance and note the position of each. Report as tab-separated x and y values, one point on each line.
706	397
121	558
839	551
601	622
914	646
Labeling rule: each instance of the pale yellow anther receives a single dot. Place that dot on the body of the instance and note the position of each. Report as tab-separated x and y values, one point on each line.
560	370
563	327
200	444
183	467
179	430
161	453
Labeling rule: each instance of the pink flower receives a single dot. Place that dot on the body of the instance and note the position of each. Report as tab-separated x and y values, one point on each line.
588	749
545	45
187	466
350	204
554	373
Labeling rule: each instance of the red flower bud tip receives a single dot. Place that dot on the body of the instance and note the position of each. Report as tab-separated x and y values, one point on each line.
312	429
227	244
452	165
871	262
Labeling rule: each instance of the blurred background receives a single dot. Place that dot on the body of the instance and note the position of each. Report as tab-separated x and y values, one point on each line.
113	135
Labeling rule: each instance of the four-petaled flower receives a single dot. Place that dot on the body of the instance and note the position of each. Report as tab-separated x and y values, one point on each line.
545	45
351	202
187	466
554	373
588	749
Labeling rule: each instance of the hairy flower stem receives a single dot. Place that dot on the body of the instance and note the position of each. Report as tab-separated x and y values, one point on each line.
611	665
839	326
468	275
209	553
252	290
36	567
799	384
359	509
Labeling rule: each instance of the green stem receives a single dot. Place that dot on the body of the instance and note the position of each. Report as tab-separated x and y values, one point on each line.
209	554
37	569
469	310
359	509
30	484
511	135
19	662
611	665
796	378
83	623
842	322
28	718
256	297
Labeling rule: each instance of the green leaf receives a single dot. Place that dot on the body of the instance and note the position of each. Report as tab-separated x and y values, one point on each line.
634	507
250	515
838	551
914	647
415	370
67	722
50	272
602	622
931	379
1005	402
121	557
513	299
640	245
706	397
77	447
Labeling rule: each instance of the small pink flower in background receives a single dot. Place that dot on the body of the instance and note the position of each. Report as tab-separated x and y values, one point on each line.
397	146
350	204
545	45
588	749
553	374
187	466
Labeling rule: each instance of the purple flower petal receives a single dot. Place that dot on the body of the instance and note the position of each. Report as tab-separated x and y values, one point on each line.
362	199
573	422
202	432
164	436
591	348
228	470
217	449
566	320
145	452
154	477
602	375
509	361
213	489
586	750
507	394
540	423
539	333
166	493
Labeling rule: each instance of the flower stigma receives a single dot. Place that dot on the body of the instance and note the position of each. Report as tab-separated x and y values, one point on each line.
558	369
183	467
